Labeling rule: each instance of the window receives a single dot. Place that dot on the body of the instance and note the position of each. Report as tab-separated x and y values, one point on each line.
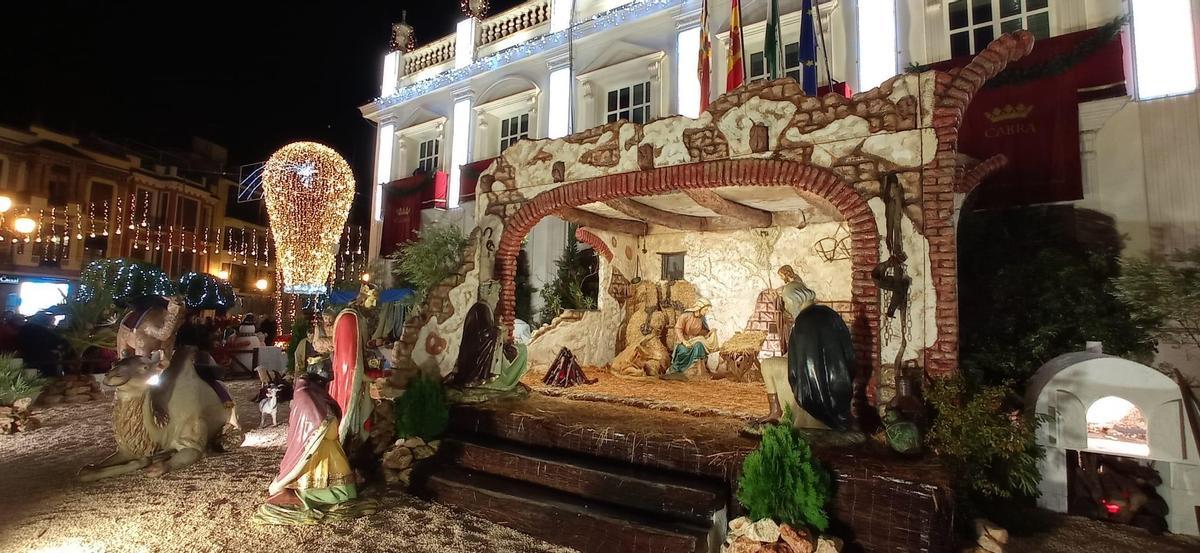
142	214
631	103
975	23
160	212
182	263
99	199
513	129
59	185
672	266
186	212
427	156
791	63
1164	48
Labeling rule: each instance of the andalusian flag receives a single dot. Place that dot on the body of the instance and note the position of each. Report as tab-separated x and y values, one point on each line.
773	44
705	67
737	71
808	49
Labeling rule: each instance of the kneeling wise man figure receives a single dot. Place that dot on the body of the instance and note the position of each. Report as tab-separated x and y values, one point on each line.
816	378
315	472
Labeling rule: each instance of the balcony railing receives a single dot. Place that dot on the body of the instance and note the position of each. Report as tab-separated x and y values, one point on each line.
510	22
430	55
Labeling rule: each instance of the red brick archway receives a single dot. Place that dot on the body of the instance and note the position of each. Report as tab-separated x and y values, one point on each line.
814	181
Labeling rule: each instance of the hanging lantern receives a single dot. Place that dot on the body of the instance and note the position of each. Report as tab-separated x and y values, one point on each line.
308	189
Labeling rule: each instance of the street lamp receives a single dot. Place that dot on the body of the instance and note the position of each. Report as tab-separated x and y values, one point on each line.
24	225
261	284
6	204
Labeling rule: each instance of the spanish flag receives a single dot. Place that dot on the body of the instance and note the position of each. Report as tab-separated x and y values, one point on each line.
737	70
705	67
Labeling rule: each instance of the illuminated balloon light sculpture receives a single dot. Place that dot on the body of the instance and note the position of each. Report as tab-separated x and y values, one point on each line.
308	188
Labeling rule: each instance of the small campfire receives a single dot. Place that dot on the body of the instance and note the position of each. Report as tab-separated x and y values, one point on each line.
565	371
1116	489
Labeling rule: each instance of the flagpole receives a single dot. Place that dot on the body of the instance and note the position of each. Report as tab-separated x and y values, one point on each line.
705	66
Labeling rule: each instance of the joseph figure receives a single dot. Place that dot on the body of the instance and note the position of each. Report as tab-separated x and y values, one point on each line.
694	340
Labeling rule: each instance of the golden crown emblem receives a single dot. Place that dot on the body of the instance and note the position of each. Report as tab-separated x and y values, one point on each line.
1009	112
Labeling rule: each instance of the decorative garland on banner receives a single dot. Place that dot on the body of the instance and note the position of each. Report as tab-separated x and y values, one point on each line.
1057	65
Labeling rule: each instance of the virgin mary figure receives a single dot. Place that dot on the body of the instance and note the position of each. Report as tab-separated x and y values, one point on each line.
349	387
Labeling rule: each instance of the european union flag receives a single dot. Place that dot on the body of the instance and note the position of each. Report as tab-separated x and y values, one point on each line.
808	50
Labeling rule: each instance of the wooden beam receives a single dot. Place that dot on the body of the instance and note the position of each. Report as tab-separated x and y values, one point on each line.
820	205
659	217
751	216
588	219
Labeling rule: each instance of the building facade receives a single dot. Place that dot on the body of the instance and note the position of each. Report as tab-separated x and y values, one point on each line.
84	199
547	68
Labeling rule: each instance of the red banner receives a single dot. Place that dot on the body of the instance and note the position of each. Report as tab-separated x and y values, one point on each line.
1034	122
1037	128
402	211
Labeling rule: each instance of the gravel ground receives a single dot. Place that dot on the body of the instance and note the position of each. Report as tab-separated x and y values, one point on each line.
206	507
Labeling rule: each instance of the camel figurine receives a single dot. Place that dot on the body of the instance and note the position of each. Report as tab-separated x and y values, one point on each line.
152	328
164	423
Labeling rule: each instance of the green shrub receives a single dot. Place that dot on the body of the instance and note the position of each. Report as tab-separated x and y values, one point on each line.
14	384
992	453
422	410
566	291
781	480
1035	283
426	262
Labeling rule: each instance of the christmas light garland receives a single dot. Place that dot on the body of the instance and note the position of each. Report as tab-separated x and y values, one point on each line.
308	189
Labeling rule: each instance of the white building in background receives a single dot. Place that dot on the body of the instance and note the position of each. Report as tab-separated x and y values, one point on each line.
547	68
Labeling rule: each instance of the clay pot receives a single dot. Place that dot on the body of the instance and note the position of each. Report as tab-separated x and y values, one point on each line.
434	344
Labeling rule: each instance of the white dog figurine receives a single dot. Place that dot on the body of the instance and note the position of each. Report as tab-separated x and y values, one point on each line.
269	406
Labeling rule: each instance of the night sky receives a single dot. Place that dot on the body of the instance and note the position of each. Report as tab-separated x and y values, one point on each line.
252	75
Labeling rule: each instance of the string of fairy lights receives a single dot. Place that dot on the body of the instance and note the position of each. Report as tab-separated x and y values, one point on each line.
51	231
308	188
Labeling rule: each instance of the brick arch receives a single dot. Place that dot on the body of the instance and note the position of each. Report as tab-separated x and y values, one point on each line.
813	181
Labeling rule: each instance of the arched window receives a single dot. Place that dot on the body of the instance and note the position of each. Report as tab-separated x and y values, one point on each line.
1117	426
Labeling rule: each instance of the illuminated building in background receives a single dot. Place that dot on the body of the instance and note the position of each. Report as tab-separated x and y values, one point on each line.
77	199
547	68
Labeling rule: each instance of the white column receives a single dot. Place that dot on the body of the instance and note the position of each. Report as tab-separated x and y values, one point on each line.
391	74
560	14
687	77
876	42
460	145
384	148
559	100
464	43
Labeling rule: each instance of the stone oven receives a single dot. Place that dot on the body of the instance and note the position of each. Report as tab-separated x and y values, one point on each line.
1111	424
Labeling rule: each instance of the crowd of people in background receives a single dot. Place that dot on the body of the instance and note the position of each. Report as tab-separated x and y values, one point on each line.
35	341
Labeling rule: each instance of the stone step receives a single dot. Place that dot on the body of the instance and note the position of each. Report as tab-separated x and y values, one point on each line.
652	491
585	525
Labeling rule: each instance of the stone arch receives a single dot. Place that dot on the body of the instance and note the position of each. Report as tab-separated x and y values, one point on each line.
809	180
